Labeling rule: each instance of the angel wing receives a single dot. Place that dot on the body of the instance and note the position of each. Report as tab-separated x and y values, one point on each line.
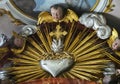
44	17
71	16
112	37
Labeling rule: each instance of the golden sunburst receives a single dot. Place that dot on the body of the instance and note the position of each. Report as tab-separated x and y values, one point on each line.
86	49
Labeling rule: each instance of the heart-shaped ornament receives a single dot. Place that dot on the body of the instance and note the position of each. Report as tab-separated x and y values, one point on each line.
54	67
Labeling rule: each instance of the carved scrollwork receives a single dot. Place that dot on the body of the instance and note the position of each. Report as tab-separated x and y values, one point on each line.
2	12
18	18
14	20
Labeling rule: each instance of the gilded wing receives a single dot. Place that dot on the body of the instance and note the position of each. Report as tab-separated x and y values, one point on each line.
71	16
112	37
44	17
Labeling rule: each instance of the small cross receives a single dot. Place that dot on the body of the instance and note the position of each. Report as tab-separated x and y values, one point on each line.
58	33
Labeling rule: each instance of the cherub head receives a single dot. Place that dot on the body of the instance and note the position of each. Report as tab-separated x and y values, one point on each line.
16	41
116	44
58	11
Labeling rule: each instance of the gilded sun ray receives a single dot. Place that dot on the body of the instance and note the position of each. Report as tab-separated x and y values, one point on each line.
83	50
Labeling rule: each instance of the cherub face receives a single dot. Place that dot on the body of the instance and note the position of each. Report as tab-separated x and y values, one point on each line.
19	42
116	44
57	14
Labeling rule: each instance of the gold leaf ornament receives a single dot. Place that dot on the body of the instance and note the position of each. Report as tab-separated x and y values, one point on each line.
88	61
45	17
112	39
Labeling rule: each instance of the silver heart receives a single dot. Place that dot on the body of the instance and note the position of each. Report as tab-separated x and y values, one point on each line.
54	67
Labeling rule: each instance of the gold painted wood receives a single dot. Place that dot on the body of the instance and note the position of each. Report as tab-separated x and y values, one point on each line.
85	48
